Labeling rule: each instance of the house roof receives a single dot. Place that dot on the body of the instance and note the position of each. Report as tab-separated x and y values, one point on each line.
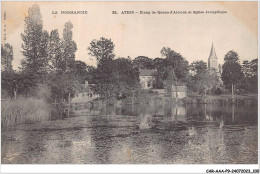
179	88
147	72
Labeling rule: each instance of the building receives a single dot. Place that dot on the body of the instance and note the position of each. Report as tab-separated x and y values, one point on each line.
179	92
214	67
213	59
84	93
147	78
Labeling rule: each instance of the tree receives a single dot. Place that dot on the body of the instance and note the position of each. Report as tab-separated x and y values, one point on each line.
68	48
103	51
6	57
34	45
232	71
54	51
17	83
231	56
202	79
179	65
250	76
254	75
80	71
143	62
62	54
126	77
161	67
91	70
7	74
198	67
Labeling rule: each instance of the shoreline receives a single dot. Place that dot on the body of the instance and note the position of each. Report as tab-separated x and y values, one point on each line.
249	99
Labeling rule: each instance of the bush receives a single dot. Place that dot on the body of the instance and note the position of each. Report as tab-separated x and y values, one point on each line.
217	91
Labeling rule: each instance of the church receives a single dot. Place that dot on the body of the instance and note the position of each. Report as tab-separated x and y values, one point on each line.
213	59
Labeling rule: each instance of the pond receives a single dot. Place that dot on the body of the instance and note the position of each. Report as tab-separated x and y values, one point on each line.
156	133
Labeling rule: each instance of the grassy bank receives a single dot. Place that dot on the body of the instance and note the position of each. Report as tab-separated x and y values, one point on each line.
147	97
24	110
223	99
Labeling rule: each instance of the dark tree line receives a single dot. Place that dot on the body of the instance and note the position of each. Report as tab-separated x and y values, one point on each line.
244	78
49	63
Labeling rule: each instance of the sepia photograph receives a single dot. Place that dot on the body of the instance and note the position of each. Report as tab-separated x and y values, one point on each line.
129	82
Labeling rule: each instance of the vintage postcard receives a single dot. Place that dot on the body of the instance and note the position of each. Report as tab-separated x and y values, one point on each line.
129	82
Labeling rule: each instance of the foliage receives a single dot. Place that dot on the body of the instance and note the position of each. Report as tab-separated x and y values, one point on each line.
80	71
113	78
198	67
143	62
231	56
35	42
161	66
49	69
66	71
102	50
68	48
126	77
203	80
249	82
6	57
54	51
8	83
232	71
179	65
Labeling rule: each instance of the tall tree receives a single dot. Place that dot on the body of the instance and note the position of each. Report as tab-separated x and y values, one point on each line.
6	57
62	55
161	67
232	71
54	51
34	44
68	47
179	65
7	74
103	51
126	77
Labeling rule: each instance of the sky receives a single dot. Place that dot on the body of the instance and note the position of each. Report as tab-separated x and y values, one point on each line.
137	34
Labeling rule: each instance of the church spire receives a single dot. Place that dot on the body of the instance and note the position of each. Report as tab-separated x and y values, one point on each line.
212	54
213	59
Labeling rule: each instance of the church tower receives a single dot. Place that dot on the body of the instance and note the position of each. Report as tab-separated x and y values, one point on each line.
213	59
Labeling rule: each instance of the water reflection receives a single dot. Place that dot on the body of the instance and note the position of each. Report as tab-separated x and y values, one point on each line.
157	133
218	114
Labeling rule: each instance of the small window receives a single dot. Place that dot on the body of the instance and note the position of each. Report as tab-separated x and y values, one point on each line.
83	95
